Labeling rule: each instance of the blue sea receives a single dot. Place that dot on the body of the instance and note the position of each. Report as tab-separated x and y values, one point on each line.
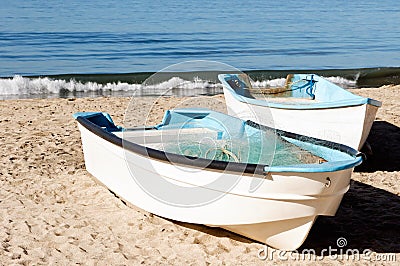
58	48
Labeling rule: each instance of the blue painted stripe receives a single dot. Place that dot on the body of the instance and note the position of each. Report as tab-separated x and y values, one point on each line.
92	114
316	168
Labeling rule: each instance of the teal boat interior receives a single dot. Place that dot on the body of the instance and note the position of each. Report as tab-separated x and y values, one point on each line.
301	91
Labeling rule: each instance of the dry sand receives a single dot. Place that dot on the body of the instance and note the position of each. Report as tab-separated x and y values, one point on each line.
51	209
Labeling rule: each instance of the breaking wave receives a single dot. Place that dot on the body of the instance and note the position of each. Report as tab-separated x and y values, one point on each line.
92	85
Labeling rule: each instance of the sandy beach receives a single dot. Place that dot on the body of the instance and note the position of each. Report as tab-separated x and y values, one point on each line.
52	210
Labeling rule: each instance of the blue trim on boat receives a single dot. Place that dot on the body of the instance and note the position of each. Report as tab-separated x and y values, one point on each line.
92	114
101	124
325	94
316	168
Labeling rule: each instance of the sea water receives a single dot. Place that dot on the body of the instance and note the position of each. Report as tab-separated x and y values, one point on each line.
80	46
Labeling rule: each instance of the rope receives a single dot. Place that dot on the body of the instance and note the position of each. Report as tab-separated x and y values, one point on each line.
311	85
190	152
298	88
224	151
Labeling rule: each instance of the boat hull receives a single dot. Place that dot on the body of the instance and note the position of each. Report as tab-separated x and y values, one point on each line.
279	212
348	125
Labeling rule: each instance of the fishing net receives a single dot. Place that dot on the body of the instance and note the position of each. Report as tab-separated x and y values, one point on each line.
255	149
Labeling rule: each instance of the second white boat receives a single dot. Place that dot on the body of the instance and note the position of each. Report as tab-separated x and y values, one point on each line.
307	105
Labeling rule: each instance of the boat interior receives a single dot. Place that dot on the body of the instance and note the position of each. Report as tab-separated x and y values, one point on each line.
294	91
206	134
216	136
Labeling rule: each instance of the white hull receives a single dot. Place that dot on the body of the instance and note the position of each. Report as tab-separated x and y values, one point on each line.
346	125
280	212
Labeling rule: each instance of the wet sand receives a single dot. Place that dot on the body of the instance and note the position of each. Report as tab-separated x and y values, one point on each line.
53	211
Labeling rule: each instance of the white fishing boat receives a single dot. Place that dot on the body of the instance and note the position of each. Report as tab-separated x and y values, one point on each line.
307	105
205	167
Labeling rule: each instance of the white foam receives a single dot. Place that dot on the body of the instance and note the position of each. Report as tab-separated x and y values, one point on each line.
340	81
176	82
279	82
20	86
32	86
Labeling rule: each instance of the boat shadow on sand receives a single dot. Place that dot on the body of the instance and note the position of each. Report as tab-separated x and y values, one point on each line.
384	140
368	217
